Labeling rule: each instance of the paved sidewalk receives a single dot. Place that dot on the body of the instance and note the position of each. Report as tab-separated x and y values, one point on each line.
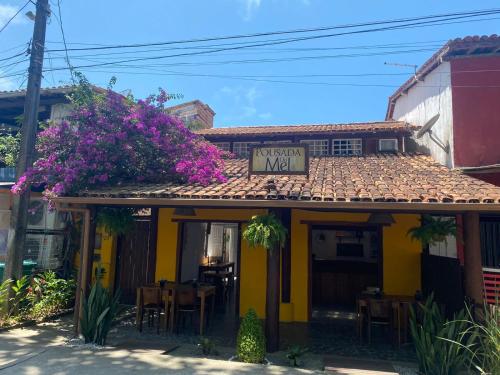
46	349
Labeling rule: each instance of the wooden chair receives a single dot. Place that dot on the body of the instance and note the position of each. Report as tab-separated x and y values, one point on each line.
150	302
379	313
186	303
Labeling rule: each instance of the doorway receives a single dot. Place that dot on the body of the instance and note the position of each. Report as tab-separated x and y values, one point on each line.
210	254
345	261
136	258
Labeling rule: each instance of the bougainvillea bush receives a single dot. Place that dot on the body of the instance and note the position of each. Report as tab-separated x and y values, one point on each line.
110	139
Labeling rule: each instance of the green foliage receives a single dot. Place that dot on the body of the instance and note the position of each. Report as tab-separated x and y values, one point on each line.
251	342
34	297
433	337
266	231
481	340
9	149
207	346
20	303
49	294
4	296
294	353
433	230
99	311
116	220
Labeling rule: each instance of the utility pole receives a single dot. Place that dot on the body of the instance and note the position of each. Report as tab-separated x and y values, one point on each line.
19	215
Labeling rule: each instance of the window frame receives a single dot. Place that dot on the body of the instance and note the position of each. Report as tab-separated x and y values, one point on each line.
359	141
247	148
312	147
388	139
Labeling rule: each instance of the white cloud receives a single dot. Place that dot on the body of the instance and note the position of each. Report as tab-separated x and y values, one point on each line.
7	12
250	7
244	102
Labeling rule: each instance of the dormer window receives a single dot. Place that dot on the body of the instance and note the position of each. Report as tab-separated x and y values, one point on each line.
224	146
241	149
388	145
347	147
317	147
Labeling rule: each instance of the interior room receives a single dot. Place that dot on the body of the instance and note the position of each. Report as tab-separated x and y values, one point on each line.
209	256
345	262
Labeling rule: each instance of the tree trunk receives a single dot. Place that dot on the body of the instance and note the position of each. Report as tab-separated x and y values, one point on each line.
273	299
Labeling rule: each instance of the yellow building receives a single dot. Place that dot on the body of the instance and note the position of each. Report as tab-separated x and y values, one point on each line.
347	214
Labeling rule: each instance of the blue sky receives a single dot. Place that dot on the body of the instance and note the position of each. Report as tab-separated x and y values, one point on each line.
247	93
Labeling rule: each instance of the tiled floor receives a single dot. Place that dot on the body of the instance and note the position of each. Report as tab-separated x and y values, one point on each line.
331	332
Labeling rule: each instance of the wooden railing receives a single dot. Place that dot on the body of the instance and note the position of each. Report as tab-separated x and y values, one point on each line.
491	278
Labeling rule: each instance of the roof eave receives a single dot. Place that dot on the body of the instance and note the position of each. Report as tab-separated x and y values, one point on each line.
298	204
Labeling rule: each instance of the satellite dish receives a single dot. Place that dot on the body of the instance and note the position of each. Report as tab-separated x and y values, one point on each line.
427	127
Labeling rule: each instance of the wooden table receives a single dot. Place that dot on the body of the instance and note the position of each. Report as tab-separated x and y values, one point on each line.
202	292
400	306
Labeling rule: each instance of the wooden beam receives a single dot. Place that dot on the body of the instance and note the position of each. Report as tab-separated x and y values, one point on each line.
286	258
273	295
394	207
473	271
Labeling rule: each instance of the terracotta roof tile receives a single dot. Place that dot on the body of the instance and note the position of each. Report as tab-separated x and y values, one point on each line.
239	131
369	178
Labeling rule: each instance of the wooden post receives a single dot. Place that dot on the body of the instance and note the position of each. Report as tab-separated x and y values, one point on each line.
273	295
273	300
473	271
19	216
286	258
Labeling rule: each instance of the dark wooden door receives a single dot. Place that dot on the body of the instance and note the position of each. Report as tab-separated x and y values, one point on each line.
136	259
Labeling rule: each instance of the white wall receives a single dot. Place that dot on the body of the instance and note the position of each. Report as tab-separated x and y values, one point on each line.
59	111
422	102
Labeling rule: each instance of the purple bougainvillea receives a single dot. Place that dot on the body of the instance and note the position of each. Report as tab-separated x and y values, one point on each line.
113	140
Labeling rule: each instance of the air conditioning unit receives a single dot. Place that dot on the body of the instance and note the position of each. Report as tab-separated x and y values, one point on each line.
40	217
45	250
388	145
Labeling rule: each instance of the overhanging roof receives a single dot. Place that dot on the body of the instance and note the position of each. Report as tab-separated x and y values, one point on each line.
379	181
308	129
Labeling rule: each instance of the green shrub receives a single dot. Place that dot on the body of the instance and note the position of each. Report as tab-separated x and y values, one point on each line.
433	338
48	294
99	311
19	303
207	346
4	298
294	353
251	342
481	340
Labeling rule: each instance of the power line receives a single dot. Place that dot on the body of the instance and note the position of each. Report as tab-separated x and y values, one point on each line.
14	16
295	31
412	25
60	22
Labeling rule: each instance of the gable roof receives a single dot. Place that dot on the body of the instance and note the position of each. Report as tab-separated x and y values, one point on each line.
459	47
371	178
308	129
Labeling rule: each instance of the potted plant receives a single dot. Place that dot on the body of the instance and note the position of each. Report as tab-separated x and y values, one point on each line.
433	230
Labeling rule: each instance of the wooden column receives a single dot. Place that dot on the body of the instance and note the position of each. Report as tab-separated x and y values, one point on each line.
273	295
273	300
473	271
286	258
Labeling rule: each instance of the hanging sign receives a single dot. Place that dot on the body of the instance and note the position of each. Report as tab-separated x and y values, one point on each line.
279	158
